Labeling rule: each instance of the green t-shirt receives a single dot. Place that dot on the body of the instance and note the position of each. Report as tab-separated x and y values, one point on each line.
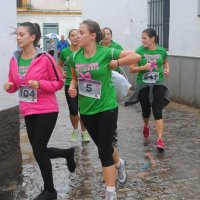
97	69
23	65
64	57
156	58
115	45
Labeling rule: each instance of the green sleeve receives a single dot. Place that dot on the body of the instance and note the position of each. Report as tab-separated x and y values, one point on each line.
114	53
62	56
138	50
119	47
165	54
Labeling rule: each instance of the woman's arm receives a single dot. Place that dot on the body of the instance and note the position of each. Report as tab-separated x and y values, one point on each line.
61	68
126	58
73	84
135	68
55	81
166	68
10	85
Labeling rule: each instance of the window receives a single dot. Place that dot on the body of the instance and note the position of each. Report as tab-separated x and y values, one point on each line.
23	4
19	3
159	11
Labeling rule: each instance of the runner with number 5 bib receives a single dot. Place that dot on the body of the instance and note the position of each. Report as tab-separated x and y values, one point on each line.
91	71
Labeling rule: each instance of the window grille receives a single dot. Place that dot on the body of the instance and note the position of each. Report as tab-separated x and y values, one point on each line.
159	13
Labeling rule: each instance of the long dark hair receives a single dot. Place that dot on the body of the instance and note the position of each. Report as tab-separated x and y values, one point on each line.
151	33
94	28
33	29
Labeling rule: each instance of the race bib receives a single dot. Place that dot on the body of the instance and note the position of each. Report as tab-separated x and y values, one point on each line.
150	77
89	88
27	94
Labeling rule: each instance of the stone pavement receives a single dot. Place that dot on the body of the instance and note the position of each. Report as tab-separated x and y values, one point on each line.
174	175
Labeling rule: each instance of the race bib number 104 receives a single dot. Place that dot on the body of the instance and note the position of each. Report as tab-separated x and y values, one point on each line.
27	94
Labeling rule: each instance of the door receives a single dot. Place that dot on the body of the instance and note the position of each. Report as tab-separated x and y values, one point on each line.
50	28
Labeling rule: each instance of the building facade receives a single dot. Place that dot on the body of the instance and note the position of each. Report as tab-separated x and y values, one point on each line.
10	154
178	26
53	16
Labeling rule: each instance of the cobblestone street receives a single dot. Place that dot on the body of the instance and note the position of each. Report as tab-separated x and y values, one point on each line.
174	175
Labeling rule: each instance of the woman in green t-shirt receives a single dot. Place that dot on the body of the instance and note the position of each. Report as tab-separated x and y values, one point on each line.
91	70
151	91
63	64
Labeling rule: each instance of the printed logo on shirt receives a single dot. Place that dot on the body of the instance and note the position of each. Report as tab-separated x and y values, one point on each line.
152	60
87	67
23	69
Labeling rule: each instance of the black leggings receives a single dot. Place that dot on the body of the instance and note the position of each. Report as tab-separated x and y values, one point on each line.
158	101
101	127
39	128
72	102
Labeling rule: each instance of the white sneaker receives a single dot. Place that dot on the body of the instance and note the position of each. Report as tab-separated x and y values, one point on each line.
85	136
74	135
122	175
110	195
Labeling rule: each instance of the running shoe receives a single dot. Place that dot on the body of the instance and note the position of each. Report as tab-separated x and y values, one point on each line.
47	195
160	145
146	131
85	136
74	135
110	195
71	164
122	175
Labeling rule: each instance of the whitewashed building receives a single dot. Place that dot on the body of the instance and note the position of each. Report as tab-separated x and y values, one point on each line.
178	26
57	16
10	154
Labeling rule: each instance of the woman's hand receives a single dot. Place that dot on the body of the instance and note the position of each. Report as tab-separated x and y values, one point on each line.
166	71
64	74
72	92
147	67
166	68
34	84
7	85
113	64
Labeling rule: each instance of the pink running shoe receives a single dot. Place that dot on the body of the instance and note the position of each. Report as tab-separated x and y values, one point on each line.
146	131
160	145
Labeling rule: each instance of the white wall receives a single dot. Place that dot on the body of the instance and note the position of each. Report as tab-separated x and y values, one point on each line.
8	46
65	22
57	4
126	18
184	37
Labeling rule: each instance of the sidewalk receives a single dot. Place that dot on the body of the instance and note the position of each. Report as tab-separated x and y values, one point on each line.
174	175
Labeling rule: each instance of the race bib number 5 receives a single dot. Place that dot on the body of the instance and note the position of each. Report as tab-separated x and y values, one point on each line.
27	94
89	88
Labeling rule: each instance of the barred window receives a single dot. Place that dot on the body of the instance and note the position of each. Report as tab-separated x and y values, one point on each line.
159	11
